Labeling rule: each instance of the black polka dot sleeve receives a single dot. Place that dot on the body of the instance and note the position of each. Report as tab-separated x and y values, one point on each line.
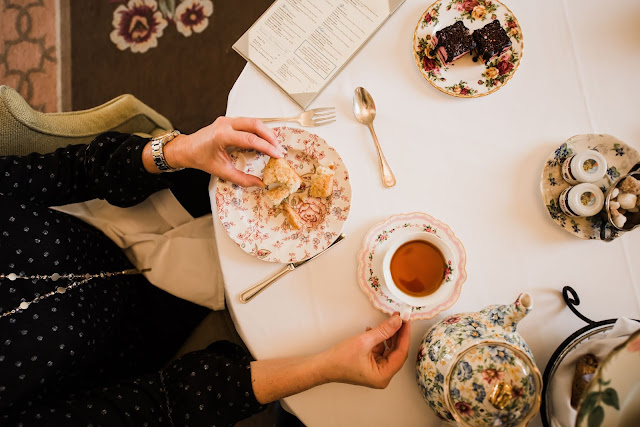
108	168
209	387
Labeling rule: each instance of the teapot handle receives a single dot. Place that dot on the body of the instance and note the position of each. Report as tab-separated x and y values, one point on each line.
572	300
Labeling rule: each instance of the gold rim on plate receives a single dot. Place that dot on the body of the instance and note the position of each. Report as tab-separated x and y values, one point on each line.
478	95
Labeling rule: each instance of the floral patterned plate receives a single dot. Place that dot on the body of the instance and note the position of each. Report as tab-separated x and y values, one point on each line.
377	241
620	159
613	395
465	78
262	230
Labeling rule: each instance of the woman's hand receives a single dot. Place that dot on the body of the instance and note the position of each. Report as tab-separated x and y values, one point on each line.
206	148
364	359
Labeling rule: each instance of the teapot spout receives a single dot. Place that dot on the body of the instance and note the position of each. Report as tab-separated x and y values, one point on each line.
517	310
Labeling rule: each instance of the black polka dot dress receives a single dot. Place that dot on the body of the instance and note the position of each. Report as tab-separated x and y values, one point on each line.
92	353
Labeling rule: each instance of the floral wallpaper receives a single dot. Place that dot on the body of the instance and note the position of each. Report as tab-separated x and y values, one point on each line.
28	51
138	24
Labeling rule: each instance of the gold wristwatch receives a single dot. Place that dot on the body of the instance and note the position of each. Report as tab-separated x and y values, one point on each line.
157	150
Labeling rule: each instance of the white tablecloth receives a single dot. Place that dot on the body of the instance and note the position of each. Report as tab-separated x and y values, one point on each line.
472	163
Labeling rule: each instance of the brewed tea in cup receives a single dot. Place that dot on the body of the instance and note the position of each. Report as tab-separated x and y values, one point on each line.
416	266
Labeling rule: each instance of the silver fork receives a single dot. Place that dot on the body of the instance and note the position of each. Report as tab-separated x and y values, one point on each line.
309	118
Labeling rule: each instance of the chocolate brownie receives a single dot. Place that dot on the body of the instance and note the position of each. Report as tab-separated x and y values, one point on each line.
452	42
490	40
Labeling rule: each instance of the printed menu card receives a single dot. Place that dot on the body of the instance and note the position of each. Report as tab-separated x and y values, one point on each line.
302	44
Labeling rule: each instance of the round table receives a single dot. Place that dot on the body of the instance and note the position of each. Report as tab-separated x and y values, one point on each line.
474	164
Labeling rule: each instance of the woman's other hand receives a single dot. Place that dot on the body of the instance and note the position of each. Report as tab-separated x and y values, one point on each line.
365	360
206	149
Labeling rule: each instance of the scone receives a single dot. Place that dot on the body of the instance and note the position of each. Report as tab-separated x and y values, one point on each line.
278	194
292	216
322	181
280	171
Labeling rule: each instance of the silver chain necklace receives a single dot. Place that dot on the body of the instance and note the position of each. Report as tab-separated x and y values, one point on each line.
80	279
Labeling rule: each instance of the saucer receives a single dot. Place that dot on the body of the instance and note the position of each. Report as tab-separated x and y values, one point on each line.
620	159
376	243
261	229
464	78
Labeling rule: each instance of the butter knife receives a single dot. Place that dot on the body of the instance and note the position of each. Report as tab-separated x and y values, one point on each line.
251	293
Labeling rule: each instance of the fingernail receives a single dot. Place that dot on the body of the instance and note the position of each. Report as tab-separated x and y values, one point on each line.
396	320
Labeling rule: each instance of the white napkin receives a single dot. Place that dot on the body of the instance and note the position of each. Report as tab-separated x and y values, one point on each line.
562	414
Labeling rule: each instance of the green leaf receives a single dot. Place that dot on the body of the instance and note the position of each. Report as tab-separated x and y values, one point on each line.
610	397
587	404
164	9
596	417
172	6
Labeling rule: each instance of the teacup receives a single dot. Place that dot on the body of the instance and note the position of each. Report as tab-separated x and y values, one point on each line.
442	292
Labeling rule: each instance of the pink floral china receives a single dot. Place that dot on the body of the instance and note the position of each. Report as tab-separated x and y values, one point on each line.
476	370
465	78
262	230
371	270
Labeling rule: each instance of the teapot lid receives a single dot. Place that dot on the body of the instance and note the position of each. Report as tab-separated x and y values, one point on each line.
493	383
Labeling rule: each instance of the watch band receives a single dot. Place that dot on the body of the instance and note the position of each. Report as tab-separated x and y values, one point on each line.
157	150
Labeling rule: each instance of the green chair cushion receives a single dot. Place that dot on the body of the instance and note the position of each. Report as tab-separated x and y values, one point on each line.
24	130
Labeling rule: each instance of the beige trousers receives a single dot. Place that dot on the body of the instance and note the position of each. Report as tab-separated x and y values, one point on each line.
160	234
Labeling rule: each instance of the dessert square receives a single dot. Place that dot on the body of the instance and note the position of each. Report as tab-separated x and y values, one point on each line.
322	182
280	171
452	42
292	216
278	194
491	40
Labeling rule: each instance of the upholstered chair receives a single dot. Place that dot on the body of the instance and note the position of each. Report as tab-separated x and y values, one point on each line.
24	130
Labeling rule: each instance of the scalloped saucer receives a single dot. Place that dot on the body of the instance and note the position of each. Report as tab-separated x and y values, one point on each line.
378	240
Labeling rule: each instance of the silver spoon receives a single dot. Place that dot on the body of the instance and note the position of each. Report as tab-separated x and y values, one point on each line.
365	111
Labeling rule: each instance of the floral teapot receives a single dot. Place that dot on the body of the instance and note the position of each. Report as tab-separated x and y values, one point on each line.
474	368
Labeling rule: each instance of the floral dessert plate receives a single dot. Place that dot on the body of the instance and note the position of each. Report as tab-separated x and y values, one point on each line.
613	395
261	229
376	243
620	159
465	78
